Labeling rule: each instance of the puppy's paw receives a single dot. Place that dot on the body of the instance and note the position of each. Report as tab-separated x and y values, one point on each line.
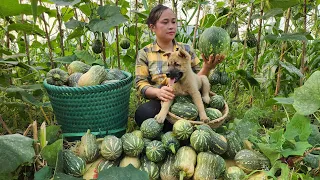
160	118
205	119
206	99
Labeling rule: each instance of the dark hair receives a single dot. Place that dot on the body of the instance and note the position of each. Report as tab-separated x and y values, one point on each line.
155	14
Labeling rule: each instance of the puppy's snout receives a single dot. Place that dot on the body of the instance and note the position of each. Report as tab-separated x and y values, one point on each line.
173	73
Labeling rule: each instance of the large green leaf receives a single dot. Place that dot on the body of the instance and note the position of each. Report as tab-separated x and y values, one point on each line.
291	68
299	125
314	138
65	2
85	55
15	150
10	8
34	5
73	24
78	32
307	97
50	152
284	4
53	133
66	59
44	173
27	28
121	173
269	14
110	17
272	151
298	149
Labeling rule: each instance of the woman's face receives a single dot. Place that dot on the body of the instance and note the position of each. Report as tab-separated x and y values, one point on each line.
166	26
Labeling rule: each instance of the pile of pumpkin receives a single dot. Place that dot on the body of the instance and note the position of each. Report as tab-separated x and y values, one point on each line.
80	74
186	152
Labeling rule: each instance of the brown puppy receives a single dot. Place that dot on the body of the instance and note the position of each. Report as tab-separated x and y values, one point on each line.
184	81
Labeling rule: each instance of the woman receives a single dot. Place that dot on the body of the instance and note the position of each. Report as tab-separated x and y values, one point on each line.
151	67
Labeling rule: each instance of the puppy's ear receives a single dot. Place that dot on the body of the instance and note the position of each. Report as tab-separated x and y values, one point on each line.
167	54
182	53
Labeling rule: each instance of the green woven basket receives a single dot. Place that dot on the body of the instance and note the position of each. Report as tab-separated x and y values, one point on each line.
102	108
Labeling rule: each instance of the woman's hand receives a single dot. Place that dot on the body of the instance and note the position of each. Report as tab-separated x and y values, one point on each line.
212	62
165	93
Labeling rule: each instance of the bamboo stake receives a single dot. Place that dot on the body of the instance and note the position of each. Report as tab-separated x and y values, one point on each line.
4	125
35	136
76	16
117	42
283	49
255	65
103	40
60	30
27	130
196	26
136	28
48	40
45	116
304	43
241	63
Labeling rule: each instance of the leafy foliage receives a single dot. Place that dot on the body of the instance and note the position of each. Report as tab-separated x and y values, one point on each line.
15	150
119	173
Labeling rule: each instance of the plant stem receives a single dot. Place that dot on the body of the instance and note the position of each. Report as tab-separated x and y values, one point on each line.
48	40
27	130
76	16
136	28
302	64
117	42
103	39
259	38
4	125
196	26
60	30
45	116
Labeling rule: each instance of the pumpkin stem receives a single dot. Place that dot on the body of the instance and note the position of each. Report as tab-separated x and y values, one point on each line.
171	147
182	174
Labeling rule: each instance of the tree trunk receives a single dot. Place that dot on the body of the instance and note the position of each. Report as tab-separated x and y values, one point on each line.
196	27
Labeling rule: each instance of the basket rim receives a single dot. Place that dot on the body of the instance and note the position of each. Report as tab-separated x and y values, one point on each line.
99	87
172	118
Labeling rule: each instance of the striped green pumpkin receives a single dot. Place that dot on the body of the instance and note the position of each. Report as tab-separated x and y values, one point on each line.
150	128
200	140
185	110
89	148
151	168
72	164
186	159
170	142
106	164
183	99
155	151
249	160
234	173
235	144
205	166
219	166
126	160
131	144
213	113
111	147
219	143
217	101
146	142
138	133
182	129
168	170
